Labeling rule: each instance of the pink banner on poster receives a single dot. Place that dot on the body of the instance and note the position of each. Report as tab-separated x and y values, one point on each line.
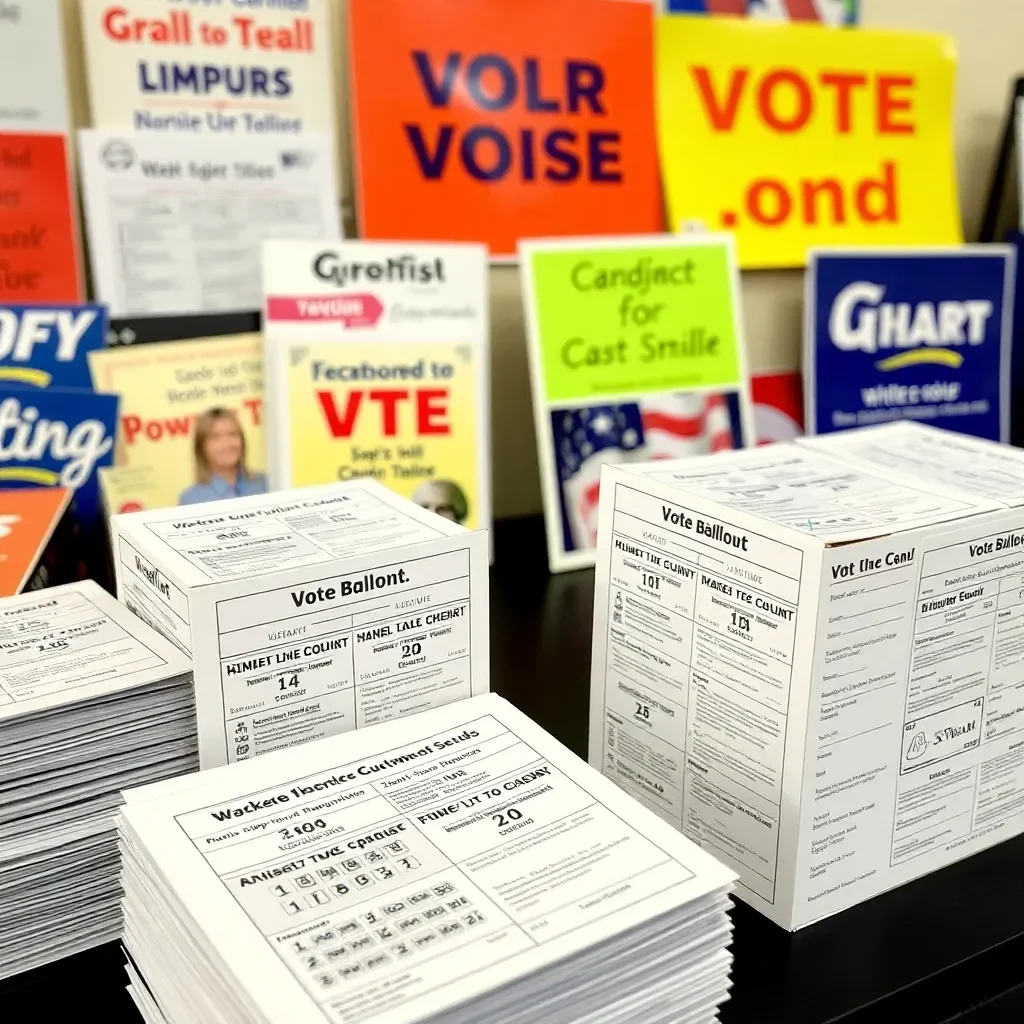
349	310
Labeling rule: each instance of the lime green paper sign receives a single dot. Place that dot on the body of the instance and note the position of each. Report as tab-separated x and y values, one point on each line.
637	355
634	319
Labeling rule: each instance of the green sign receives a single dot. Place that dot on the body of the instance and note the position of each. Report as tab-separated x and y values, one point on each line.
634	319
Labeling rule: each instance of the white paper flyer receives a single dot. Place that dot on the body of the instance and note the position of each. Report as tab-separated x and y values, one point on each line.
176	224
33	85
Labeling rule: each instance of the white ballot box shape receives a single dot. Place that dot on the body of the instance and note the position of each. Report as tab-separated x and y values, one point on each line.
812	664
309	612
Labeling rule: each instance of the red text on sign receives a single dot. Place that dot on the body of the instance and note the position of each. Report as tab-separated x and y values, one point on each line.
786	100
135	427
771	202
429	405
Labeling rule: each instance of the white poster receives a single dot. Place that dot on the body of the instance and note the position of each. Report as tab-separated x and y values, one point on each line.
210	68
176	223
377	366
33	86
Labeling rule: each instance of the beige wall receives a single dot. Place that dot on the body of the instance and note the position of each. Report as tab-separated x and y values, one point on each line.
987	33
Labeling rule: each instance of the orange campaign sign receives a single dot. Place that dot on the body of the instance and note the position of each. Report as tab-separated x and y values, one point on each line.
490	122
38	227
33	547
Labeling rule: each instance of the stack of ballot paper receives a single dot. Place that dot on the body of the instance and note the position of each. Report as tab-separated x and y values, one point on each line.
459	865
92	700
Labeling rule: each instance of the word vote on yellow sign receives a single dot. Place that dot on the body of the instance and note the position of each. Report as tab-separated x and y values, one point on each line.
798	135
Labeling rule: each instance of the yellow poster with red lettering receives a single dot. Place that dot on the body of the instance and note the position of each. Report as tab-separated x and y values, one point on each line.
795	135
405	415
377	366
191	421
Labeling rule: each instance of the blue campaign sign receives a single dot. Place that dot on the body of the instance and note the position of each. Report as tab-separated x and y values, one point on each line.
901	334
47	346
1016	239
57	437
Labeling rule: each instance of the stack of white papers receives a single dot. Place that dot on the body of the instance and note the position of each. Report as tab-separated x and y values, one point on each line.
92	700
460	865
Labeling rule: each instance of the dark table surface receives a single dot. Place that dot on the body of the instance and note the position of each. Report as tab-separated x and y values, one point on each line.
949	947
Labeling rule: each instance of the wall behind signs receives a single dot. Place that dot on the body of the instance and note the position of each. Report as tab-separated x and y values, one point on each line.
987	33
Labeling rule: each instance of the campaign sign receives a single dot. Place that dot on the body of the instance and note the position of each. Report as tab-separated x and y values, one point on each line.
57	437
490	122
210	68
798	136
916	334
1016	239
377	366
42	346
39	260
637	353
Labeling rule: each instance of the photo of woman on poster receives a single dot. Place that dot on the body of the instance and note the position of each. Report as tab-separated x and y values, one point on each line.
220	467
443	497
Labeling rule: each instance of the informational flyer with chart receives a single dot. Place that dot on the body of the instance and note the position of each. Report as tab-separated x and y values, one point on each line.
637	352
378	368
176	223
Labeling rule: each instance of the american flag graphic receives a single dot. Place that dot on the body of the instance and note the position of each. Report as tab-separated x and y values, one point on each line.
831	12
668	426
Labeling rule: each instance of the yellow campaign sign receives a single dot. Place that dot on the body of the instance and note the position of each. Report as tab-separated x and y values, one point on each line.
170	392
796	135
403	414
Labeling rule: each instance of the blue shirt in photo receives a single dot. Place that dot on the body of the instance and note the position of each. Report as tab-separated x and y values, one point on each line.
218	488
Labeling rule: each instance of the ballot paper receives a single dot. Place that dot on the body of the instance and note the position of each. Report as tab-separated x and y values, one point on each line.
309	612
92	700
983	468
460	865
176	223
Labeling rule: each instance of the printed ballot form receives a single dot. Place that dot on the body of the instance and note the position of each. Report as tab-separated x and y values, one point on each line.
811	664
411	870
310	612
92	702
176	223
74	643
